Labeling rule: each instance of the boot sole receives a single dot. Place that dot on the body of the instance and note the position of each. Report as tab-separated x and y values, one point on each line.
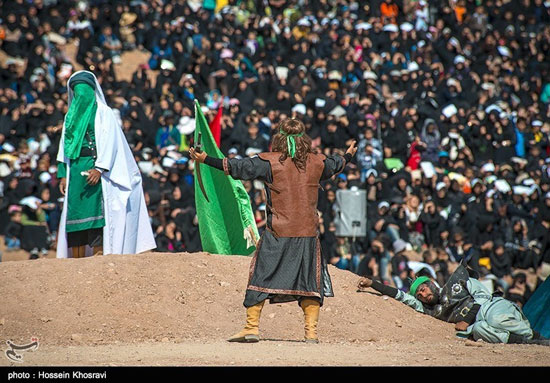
245	339
312	341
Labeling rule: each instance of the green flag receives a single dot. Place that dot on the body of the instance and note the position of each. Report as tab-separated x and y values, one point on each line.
226	223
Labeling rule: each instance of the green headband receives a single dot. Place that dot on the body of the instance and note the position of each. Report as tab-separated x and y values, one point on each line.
291	142
417	282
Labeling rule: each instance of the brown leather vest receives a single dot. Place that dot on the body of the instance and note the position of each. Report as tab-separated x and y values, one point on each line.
294	195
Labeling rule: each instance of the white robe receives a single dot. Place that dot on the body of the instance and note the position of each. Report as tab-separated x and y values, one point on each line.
127	227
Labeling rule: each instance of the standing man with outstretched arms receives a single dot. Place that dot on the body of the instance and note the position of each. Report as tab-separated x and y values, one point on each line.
287	265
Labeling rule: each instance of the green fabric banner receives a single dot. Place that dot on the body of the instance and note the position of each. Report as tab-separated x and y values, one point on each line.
226	223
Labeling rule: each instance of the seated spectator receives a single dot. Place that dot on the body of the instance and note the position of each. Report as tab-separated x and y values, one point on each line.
374	188
52	209
400	272
254	140
501	263
191	235
382	222
14	229
461	249
431	137
111	44
161	51
433	224
168	135
34	234
519	291
169	238
413	210
517	242
340	253
375	262
439	264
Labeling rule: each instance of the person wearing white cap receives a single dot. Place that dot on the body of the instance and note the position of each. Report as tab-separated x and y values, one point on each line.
476	186
304	23
301	29
383	204
300	109
459	60
406	27
371	172
440	186
392	28
382	221
369	75
489	167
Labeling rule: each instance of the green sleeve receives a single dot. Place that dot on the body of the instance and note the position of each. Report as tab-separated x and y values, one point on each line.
61	170
41	216
26	221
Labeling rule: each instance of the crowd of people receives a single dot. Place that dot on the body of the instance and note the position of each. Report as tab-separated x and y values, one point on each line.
449	101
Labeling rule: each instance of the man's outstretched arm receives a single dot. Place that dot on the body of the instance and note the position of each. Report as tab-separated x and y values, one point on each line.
392	292
246	169
336	164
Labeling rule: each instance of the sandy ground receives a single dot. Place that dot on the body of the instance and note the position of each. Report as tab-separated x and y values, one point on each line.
178	309
290	353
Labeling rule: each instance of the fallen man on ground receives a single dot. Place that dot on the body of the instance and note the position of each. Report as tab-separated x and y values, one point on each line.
463	300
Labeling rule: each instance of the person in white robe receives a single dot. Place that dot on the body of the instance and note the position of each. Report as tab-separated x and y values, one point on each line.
127	227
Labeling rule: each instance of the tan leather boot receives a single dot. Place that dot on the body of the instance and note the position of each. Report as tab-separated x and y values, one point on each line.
250	333
311	318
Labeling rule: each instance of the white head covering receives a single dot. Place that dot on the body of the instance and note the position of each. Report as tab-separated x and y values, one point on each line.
99	96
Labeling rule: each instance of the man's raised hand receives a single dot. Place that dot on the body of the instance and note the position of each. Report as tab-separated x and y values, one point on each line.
197	156
352	149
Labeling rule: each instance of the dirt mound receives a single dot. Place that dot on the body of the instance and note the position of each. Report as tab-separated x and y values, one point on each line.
178	309
179	297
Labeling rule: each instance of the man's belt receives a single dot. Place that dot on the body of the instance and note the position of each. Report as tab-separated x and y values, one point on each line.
88	152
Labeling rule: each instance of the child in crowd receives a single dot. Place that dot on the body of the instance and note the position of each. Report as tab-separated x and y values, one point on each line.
13	229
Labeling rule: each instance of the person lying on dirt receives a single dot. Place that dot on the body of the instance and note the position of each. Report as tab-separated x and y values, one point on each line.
464	301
